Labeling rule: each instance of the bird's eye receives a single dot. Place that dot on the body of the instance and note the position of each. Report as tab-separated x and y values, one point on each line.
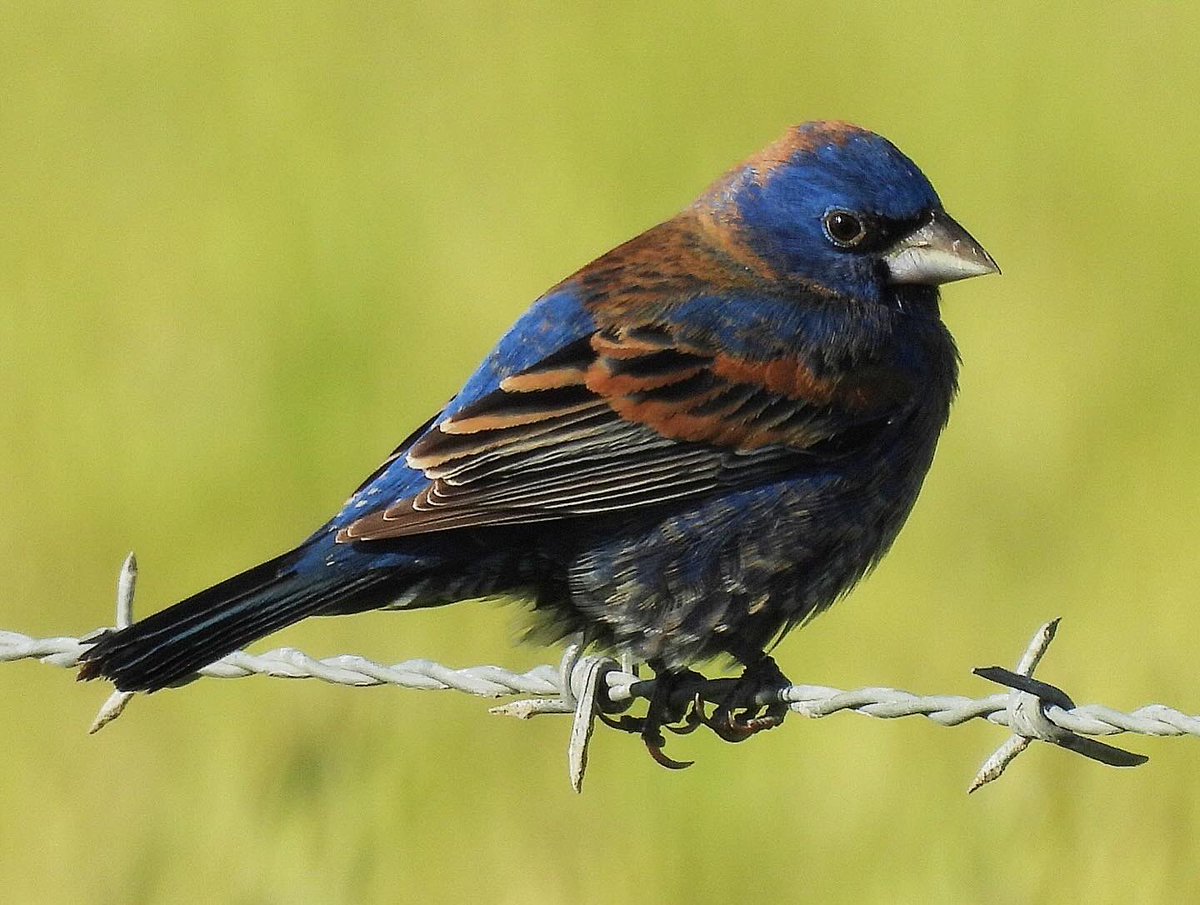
844	228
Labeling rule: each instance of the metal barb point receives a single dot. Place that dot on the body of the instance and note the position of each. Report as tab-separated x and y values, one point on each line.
580	679
1027	717
110	710
588	672
126	586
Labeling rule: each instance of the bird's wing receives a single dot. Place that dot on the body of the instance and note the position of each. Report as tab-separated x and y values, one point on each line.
626	418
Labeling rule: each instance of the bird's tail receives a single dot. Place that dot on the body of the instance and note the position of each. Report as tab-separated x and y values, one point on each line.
173	643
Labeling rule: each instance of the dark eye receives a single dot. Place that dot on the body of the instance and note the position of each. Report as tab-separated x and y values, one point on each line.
844	228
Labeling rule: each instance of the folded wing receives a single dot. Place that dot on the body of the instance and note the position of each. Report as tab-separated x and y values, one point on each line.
628	418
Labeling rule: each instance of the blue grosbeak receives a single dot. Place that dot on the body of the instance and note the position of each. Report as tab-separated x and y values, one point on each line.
698	441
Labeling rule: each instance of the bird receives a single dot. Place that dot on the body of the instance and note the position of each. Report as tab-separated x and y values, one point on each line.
692	445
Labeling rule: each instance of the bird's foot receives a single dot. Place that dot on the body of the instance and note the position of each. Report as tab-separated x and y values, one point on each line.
740	715
674	705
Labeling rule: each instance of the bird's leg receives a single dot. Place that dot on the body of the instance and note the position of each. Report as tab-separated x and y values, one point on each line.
666	709
739	715
673	705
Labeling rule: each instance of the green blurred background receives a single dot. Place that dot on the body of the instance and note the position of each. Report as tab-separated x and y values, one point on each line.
247	247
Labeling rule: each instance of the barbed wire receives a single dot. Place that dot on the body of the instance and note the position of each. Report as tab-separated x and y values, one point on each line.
585	686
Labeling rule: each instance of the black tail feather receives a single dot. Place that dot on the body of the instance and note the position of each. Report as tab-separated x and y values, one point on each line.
175	642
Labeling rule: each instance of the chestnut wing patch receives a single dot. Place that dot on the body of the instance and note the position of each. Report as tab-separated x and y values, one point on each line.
627	419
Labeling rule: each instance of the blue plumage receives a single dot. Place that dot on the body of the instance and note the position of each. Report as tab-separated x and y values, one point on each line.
691	445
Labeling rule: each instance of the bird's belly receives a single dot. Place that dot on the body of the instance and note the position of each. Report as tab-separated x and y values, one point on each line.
727	575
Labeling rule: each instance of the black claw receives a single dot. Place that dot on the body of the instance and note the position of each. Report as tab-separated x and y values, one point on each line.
693	719
663	760
631	724
726	728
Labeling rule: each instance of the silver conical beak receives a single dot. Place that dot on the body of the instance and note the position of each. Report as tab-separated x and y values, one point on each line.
941	251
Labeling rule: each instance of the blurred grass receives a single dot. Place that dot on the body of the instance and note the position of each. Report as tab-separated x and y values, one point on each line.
248	246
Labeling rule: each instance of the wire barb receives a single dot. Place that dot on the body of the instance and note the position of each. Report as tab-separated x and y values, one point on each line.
585	686
1029	719
126	585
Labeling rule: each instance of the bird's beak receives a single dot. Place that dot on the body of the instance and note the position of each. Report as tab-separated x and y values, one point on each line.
941	251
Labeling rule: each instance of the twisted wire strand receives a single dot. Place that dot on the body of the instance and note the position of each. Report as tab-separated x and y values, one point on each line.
586	685
289	663
547	682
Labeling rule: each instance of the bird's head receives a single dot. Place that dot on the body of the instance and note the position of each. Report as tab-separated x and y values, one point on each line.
839	206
